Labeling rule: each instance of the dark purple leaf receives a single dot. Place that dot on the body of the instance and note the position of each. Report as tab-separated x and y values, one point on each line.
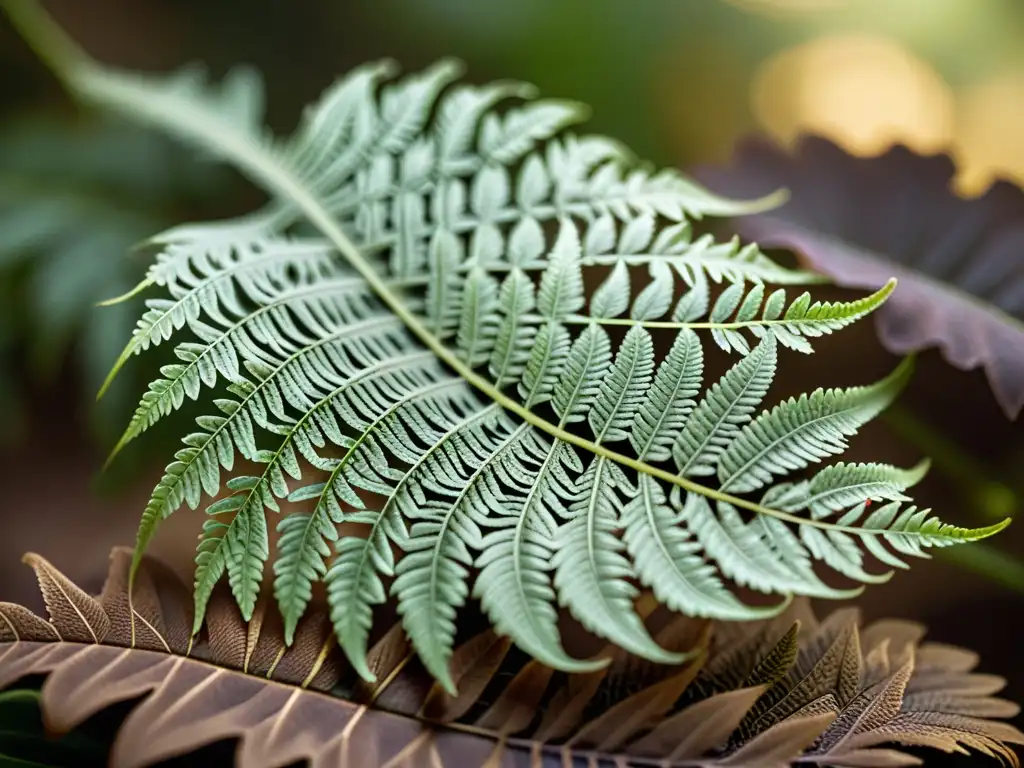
959	262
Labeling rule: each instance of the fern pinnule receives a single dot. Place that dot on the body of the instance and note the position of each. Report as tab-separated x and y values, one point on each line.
563	462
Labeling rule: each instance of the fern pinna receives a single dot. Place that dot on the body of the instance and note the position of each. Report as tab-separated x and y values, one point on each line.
451	309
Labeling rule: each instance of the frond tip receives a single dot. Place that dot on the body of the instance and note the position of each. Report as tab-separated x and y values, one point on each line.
439	355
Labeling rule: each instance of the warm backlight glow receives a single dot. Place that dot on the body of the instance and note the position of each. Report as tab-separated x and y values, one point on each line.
990	133
863	92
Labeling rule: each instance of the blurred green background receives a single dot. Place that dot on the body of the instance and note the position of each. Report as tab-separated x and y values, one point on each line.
680	81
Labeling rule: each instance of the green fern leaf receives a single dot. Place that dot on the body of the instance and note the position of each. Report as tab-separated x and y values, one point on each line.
591	573
671	562
514	585
715	423
470	404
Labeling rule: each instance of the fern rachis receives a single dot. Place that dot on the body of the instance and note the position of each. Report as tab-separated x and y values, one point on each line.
473	234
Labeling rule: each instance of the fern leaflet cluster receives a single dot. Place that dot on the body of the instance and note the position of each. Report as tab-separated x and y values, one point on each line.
488	335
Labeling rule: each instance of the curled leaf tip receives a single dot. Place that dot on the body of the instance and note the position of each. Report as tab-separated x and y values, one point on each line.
32	559
983	533
918	472
143	285
769	202
839	595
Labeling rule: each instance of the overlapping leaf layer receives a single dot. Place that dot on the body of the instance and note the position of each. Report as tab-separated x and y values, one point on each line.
782	692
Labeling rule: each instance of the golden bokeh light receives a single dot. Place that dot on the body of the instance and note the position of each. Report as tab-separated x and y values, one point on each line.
864	92
990	133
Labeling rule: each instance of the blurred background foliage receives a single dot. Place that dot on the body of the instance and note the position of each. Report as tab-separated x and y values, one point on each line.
680	81
76	197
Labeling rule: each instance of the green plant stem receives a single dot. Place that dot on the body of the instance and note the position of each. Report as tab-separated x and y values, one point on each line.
994	498
65	59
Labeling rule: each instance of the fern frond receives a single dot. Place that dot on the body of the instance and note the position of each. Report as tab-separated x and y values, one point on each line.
715	422
197	466
531	441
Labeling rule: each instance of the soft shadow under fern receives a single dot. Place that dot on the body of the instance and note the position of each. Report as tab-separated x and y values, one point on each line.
414	315
790	691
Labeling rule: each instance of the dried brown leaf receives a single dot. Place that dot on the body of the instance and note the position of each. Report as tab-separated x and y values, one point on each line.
387	657
874	758
565	713
950	733
947	658
80	617
227	633
898	632
700	727
959	683
471	667
774	666
253	634
780	745
852	671
611	730
158	617
518	703
285	705
953	703
19	623
815	674
871	710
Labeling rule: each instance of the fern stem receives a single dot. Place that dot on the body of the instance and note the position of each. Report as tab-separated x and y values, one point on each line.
49	41
132	96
